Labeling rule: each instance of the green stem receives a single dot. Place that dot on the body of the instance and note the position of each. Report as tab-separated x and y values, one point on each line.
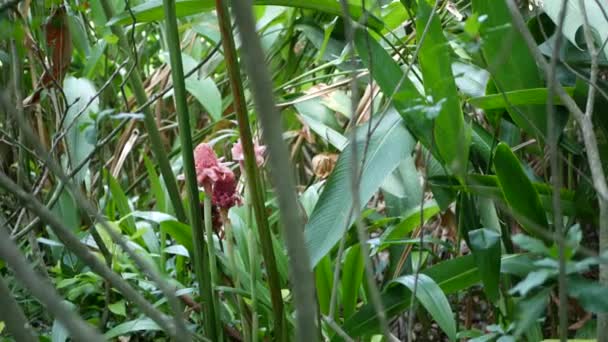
281	172
251	170
212	258
234	271
155	140
202	263
251	243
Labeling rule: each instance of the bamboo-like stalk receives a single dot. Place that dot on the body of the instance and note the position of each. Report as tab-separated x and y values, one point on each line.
155	140
254	183
201	261
281	174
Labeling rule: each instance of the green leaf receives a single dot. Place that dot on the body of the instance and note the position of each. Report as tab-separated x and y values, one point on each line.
81	136
140	324
452	135
536	96
520	194
352	277
118	308
206	92
181	233
531	244
401	189
322	121
451	276
324	280
532	281
67	210
488	186
573	23
410	221
519	71
485	244
153	10
530	309
387	73
432	299
389	144
590	294
156	187
122	204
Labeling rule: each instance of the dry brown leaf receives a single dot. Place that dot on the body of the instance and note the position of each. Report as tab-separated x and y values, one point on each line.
323	164
59	43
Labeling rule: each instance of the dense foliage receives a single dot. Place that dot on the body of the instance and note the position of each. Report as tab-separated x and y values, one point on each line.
330	170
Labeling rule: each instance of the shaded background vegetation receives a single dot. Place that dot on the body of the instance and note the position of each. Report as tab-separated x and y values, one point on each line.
390	170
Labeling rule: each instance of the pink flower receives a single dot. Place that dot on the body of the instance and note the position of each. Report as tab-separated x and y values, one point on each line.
224	192
208	168
217	179
238	155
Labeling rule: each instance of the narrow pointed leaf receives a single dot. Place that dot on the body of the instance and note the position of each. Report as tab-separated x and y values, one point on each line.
452	134
520	194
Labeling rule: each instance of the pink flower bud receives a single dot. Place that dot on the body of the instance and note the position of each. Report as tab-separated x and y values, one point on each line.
238	154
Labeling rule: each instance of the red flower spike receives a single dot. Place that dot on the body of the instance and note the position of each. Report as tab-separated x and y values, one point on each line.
217	179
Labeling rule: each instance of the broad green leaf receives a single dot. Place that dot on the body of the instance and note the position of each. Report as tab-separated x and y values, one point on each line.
122	204
181	233
532	281
590	294
488	186
93	59
531	244
536	96
530	309
451	276
485	244
574	20
206	92
140	324
153	10
452	135
81	135
510	63
387	73
322	121
401	189
67	210
388	145
432	298
467	215
324	283
520	194
153	216
410	221
118	308
352	277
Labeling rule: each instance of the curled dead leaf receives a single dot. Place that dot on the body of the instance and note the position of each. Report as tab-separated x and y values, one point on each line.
323	164
59	43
